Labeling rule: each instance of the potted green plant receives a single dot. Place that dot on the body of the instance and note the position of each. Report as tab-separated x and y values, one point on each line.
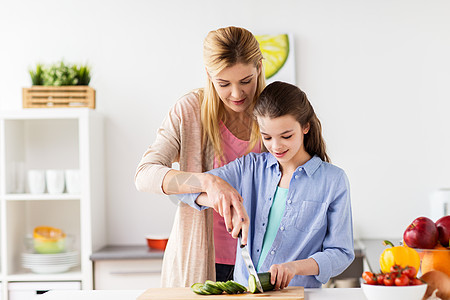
59	85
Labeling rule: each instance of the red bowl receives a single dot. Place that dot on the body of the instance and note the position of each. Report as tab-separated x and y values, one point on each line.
156	242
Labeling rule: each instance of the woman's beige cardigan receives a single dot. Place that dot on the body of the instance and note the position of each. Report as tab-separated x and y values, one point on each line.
189	256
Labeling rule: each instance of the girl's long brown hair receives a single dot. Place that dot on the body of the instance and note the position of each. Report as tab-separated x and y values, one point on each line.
279	99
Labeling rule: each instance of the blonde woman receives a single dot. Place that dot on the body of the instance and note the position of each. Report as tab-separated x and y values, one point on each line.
206	129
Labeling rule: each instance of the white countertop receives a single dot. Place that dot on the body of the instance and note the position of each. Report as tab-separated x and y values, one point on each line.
310	294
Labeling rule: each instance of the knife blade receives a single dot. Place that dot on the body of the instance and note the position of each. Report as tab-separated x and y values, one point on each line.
248	262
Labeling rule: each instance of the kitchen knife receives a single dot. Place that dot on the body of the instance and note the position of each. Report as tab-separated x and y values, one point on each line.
248	262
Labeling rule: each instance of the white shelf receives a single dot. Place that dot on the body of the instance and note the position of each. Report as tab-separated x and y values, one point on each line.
46	114
26	197
56	138
71	275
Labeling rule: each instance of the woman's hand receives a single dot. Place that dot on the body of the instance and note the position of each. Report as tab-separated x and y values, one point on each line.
240	225
282	274
220	195
228	203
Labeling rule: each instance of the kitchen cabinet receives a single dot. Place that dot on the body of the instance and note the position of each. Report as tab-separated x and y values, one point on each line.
130	274
28	290
127	268
62	139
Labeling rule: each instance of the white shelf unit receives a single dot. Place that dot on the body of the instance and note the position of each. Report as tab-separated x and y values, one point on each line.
56	138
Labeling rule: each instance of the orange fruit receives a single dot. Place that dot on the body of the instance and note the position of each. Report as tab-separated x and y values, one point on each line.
437	258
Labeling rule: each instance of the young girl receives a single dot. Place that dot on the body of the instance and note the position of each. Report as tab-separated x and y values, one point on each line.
298	203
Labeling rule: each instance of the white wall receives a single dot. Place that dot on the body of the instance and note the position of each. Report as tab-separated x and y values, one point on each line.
377	73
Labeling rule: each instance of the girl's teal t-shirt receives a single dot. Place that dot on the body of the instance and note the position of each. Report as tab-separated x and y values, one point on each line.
275	215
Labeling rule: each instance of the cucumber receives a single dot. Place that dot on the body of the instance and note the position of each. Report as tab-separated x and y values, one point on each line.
224	287
243	288
212	287
265	283
203	290
196	288
228	289
216	288
236	286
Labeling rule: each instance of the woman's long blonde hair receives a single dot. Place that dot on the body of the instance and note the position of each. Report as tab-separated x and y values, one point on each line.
224	48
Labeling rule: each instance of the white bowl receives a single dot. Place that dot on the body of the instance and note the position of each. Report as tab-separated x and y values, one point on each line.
381	292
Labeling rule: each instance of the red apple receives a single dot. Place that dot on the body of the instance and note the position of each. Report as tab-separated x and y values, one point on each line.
443	227
421	233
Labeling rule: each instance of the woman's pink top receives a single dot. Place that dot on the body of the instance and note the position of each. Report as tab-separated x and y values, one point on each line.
225	245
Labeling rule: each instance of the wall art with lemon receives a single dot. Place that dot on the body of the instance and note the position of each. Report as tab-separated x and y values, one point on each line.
278	53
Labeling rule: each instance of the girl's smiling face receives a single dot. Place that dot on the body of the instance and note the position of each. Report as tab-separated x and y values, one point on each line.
283	138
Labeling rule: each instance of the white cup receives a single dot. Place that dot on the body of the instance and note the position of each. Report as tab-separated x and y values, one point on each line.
15	181
55	181
73	181
19	172
36	181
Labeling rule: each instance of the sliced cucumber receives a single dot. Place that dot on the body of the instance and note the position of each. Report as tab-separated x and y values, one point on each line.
224	287
264	278
240	286
233	287
196	288
204	291
236	286
212	287
216	288
227	288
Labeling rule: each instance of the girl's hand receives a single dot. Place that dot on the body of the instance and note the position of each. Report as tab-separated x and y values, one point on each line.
225	200
282	274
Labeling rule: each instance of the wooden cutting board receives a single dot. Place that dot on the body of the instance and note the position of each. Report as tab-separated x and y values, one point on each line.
289	293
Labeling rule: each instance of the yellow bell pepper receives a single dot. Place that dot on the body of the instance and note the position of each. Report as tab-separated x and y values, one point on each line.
399	255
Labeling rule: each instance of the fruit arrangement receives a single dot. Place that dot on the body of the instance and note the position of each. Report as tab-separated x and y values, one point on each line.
426	246
423	233
399	266
431	239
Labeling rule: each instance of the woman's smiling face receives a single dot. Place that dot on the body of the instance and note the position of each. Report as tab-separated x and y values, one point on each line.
236	86
283	138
